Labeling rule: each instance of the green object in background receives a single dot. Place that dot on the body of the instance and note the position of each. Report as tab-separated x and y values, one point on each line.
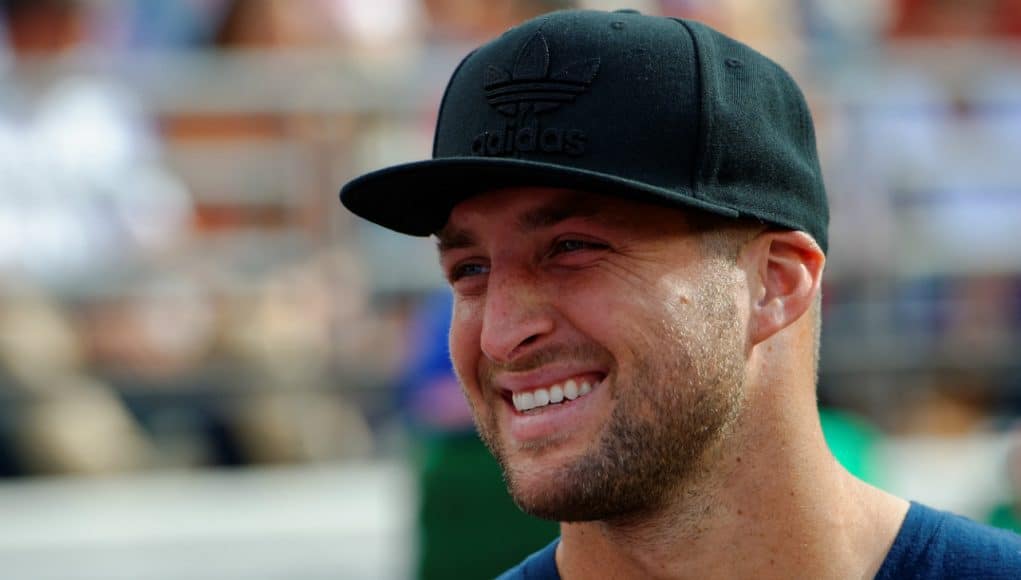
469	525
1004	516
853	441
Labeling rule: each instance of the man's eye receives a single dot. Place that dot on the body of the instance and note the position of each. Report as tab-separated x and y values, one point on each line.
467	269
571	245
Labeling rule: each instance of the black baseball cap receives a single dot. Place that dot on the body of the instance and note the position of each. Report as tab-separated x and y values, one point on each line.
620	103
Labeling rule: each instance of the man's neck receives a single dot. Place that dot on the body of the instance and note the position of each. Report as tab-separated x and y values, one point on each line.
779	509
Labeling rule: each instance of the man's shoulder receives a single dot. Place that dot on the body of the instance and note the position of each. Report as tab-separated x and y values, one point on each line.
542	565
938	544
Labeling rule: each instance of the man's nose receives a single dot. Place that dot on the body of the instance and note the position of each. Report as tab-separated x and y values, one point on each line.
517	316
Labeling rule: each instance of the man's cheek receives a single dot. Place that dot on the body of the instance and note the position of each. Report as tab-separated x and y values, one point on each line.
464	344
458	352
465	378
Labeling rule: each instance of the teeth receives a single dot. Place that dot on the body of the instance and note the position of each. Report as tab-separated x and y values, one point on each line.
524	401
555	394
541	397
571	390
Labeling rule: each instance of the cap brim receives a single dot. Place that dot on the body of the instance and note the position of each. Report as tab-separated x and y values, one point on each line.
416	198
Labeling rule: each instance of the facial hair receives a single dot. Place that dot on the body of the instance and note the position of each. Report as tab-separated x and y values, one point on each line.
673	407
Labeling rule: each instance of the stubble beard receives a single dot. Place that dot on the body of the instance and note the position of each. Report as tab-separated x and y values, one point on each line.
673	410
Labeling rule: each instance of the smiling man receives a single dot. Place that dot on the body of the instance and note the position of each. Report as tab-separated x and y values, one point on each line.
598	344
630	213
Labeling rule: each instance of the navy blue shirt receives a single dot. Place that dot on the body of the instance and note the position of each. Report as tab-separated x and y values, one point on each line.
930	544
541	565
936	544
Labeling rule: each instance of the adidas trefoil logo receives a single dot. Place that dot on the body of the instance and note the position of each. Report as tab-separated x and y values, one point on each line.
527	90
530	84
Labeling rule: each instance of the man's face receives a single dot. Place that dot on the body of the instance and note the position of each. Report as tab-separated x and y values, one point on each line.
601	348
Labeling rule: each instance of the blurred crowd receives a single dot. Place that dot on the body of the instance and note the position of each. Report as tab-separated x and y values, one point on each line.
179	287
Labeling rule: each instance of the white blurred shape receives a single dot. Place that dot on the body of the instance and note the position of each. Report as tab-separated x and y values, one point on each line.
90	130
375	22
154	207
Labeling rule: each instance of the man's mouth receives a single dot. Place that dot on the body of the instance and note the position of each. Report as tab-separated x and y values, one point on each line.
555	394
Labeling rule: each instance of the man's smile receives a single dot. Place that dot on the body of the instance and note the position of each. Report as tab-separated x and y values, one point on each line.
554	407
540	397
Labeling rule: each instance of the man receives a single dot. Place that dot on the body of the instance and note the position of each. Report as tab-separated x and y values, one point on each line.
630	212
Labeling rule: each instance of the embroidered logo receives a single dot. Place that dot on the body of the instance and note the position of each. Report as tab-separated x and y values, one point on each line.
528	90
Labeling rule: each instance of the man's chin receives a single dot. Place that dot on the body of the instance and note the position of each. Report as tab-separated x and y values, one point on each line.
546	500
547	487
559	501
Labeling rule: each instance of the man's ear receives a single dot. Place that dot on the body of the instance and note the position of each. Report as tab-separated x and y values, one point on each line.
786	272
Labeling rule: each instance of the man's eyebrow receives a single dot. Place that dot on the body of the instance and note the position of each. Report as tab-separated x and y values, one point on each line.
544	216
454	239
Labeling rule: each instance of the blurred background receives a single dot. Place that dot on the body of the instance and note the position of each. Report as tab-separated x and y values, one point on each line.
208	369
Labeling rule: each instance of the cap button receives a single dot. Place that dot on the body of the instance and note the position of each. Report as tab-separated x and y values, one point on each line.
626	11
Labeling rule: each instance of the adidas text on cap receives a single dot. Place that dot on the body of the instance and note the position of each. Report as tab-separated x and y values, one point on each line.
620	103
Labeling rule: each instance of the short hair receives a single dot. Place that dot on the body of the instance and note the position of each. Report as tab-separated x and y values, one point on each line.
724	237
